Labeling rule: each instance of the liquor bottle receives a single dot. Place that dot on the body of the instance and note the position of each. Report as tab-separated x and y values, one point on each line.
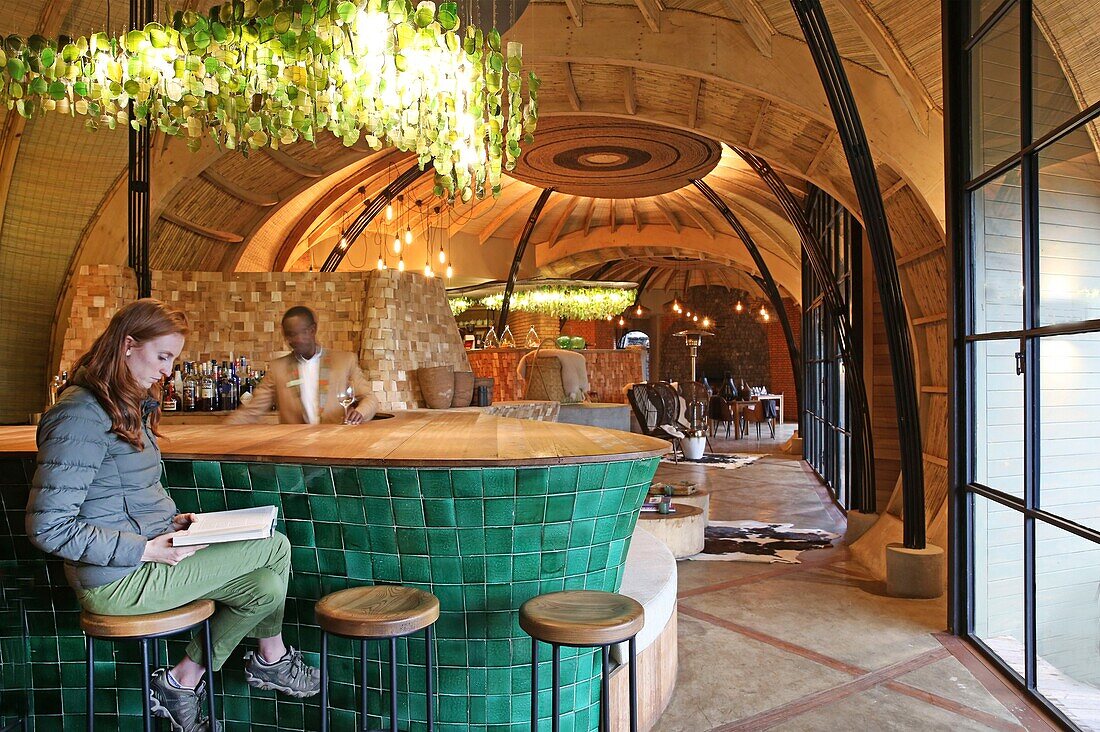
188	392
177	381
169	402
226	399
54	390
208	395
234	386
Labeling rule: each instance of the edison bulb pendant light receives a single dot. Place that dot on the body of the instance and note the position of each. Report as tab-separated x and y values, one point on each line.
401	264
396	244
389	212
450	271
381	263
408	235
442	255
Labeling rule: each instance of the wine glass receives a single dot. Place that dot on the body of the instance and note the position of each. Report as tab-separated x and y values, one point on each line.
347	398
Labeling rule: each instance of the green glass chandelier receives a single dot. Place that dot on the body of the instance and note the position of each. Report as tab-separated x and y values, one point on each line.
255	73
574	303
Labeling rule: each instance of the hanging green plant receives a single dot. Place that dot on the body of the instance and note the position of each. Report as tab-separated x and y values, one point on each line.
250	74
459	305
574	303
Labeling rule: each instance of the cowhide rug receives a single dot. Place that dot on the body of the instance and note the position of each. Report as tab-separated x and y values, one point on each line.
717	460
752	541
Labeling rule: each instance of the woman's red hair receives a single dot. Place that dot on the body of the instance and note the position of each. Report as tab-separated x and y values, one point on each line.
103	370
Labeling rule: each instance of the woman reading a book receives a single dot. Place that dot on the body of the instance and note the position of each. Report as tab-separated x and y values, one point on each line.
97	502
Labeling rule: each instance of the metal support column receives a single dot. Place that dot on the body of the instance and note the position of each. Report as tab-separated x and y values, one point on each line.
521	247
137	231
823	48
863	458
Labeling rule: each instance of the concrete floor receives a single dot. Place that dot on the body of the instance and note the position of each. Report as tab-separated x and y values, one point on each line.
817	645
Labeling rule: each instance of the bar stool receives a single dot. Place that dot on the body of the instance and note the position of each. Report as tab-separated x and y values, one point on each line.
582	619
144	628
373	613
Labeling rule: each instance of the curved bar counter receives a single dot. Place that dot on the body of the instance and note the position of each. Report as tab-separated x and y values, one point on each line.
482	511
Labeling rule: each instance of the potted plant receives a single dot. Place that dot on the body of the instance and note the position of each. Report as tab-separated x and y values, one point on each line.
694	443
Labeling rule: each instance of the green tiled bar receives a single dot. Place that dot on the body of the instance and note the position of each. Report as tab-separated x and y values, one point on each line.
482	539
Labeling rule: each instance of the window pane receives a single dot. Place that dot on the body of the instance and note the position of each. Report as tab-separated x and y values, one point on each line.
998	417
995	79
1069	230
1067	622
997	260
1069	408
998	572
1054	98
980	11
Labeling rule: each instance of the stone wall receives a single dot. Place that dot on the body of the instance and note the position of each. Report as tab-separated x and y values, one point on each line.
781	375
395	321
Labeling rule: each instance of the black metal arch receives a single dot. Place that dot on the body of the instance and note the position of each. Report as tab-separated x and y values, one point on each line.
521	247
815	27
375	207
138	191
863	447
766	282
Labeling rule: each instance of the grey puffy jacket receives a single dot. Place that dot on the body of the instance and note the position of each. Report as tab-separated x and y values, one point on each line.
96	499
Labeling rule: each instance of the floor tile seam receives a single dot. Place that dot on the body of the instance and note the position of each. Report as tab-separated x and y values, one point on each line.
774	641
993	681
746	580
950	705
768	719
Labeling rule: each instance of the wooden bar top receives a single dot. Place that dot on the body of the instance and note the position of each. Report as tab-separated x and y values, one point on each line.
421	438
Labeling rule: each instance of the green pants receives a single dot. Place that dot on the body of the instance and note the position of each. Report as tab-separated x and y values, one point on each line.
247	580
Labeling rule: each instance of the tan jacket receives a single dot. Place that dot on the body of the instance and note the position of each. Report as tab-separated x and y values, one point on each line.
339	369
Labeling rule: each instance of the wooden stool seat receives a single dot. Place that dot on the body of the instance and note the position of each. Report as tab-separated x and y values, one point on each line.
581	618
379	611
150	625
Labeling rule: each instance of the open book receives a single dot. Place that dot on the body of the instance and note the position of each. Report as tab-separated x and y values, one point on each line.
221	526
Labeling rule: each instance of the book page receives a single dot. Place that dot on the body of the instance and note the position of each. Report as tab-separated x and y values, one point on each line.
242	519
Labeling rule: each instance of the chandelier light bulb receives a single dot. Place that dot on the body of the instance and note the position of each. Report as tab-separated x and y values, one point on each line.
442	255
401	264
408	235
389	212
609	317
381	263
450	271
695	318
343	241
738	307
706	322
622	321
767	317
428	270
396	244
763	311
687	313
638	311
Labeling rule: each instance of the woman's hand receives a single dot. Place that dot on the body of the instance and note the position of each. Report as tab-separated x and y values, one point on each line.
160	549
354	417
182	521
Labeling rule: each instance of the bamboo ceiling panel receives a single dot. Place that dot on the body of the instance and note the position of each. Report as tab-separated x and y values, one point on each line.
848	41
730	109
915	28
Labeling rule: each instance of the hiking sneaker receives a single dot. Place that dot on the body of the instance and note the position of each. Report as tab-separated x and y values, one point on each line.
183	708
289	675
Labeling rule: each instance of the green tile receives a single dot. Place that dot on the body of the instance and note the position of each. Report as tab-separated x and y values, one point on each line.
553	563
560	508
355	537
597	559
383	539
498	540
300	533
555	536
443	542
412	541
387	568
351	509
291	479
207	474
563	478
605	529
591	476
179	473
611	501
473	569
324	508
318	480
532	481
587	505
500	511
328	536
379	511
466	483
498	482
415	569
498	568
408	512
641	471
403	482
527	566
435	483
530	510
617	474
331	562
303	559
187	501
296	507
439	512
262	477
446	569
470	512
372	482
238	499
235	476
580	534
211	500
527	539
345	482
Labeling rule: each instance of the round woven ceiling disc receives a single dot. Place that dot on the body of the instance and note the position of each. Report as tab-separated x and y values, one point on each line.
604	157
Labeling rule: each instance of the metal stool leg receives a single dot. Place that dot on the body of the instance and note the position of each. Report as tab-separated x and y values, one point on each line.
365	681
91	683
633	685
605	689
428	633
393	684
146	713
324	681
534	684
208	656
555	705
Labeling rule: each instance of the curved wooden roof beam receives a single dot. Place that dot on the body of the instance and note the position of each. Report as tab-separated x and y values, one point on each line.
522	202
479	207
293	164
241	194
670	216
555	232
588	213
693	213
638	224
629	95
611	219
227	237
576	11
755	22
651	13
912	92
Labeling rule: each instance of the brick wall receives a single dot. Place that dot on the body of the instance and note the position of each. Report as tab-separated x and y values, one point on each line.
395	321
608	371
739	344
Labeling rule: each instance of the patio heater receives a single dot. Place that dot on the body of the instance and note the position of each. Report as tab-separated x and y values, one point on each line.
693	339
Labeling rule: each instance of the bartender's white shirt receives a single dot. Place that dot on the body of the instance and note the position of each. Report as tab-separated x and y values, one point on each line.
309	372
